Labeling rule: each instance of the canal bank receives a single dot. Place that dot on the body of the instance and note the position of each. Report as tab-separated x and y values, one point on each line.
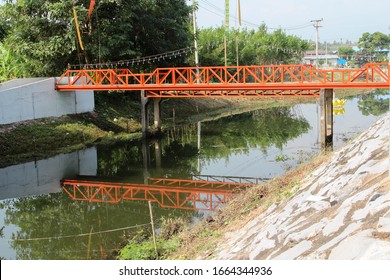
335	207
116	119
260	143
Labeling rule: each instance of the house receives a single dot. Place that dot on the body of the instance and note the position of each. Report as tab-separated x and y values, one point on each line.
330	60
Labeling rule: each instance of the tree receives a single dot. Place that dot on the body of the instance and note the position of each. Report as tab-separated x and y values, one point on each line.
372	46
374	41
40	32
255	47
345	52
44	33
11	64
126	29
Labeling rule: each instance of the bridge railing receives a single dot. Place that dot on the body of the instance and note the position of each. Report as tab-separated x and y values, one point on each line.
271	77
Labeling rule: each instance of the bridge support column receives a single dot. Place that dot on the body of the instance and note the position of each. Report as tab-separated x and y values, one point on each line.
326	102
157	114
199	146
144	114
158	152
146	160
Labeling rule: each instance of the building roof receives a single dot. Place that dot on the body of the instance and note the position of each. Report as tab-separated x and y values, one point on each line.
321	56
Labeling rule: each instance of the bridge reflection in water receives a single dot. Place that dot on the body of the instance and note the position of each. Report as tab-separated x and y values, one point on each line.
168	193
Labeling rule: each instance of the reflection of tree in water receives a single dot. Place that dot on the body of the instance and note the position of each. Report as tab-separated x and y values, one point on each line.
177	159
119	159
374	104
127	159
262	128
230	135
57	215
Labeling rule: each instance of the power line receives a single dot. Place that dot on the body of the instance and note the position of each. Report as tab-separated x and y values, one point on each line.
77	235
235	18
302	26
211	45
220	13
213	6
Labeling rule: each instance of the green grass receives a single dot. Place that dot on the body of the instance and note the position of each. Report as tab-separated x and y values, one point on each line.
45	138
145	250
140	245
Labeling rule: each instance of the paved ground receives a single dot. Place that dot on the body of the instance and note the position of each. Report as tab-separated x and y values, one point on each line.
340	211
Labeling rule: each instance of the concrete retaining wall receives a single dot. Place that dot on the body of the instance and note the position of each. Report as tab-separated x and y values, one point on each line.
44	176
34	98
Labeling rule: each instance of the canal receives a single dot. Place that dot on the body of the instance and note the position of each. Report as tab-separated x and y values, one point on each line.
39	220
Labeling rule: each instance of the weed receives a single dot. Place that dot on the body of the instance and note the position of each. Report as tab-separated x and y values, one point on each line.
282	158
140	248
171	227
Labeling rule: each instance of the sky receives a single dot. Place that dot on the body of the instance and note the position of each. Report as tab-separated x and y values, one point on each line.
342	19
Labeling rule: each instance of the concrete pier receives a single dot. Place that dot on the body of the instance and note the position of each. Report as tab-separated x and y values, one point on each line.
157	114
145	114
158	153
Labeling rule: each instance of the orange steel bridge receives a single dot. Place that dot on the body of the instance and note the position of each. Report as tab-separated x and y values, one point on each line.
230	81
168	193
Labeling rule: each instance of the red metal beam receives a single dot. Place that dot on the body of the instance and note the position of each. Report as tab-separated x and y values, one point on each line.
219	81
168	193
233	93
196	184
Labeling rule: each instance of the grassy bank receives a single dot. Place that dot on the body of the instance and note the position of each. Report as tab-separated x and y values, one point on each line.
46	137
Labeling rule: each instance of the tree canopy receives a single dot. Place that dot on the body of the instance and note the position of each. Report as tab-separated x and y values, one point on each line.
373	46
254	47
374	41
43	33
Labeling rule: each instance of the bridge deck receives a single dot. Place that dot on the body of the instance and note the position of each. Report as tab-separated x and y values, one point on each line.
219	81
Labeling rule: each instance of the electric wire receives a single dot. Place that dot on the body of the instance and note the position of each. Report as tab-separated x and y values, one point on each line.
77	235
220	13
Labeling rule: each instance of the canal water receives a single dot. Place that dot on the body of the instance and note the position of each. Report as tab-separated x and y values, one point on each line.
40	220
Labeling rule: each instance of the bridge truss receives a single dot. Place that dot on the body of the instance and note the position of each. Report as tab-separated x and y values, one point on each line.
230	81
168	193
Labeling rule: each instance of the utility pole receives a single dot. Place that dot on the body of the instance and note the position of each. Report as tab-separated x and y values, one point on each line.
238	32
195	33
227	15
326	54
317	25
194	8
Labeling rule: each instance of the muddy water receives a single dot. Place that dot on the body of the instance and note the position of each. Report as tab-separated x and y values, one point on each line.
40	220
